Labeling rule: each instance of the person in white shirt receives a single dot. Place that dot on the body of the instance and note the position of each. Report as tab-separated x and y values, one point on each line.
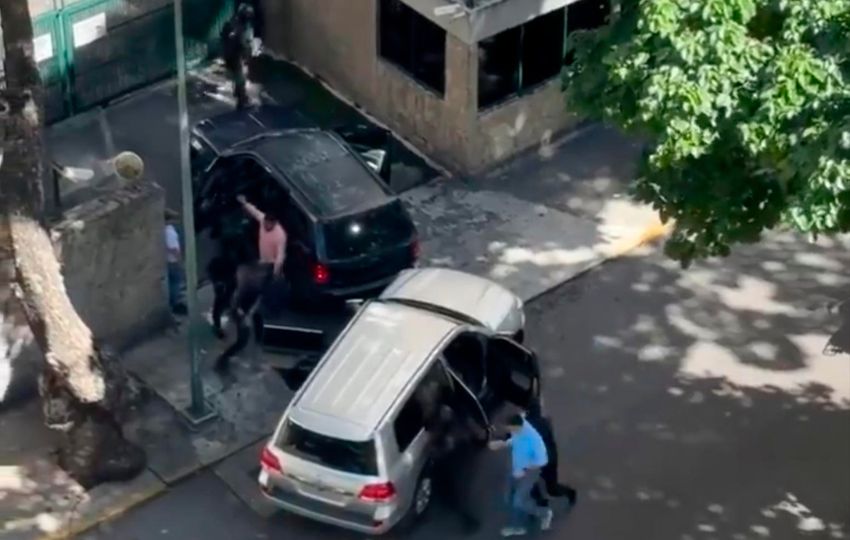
174	261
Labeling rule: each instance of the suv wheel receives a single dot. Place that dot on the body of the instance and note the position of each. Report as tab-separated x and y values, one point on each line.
422	497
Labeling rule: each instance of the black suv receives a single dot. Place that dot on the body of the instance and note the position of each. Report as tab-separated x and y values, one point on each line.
349	234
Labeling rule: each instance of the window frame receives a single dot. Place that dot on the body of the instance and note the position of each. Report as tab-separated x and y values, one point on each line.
520	91
436	367
436	92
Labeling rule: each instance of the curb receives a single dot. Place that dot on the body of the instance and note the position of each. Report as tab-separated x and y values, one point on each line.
651	233
111	512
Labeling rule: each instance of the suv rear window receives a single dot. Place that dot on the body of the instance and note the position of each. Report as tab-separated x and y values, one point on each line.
357	457
370	232
329	176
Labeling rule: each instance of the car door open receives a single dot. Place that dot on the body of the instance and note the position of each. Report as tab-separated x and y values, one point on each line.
513	374
373	144
465	403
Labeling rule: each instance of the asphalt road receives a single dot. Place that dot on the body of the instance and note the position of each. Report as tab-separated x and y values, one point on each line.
688	405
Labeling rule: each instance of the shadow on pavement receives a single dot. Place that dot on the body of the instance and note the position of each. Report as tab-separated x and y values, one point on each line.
699	403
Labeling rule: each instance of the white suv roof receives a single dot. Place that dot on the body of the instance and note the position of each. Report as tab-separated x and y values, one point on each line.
464	294
368	368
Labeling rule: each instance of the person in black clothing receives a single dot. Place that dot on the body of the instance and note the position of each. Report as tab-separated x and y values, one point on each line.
454	457
235	37
251	282
258	21
549	473
222	272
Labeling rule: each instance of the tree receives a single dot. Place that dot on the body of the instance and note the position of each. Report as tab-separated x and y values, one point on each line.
745	105
84	390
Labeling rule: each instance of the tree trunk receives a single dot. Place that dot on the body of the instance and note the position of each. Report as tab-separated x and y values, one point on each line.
84	390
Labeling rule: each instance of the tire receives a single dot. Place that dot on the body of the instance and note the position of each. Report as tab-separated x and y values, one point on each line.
419	506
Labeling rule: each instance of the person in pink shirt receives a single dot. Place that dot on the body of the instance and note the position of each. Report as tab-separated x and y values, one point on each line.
252	280
272	238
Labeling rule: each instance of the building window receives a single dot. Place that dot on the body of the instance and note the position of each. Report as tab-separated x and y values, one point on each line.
525	56
586	15
413	43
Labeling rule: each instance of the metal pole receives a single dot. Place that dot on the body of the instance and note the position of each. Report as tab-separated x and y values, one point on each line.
198	408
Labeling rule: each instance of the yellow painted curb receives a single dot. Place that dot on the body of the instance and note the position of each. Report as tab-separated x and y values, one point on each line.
651	233
84	524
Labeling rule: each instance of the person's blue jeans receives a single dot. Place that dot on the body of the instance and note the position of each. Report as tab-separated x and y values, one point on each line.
521	504
175	284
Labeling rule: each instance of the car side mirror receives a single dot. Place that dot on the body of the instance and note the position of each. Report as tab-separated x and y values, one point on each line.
375	159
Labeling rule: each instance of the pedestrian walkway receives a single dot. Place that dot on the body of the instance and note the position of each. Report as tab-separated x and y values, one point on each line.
531	225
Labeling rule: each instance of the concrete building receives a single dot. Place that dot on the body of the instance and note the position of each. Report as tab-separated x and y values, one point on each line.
470	82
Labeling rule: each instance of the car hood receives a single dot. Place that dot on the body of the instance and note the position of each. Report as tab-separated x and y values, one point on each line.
471	296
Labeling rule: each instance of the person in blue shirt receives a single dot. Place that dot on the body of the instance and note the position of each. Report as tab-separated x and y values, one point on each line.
528	457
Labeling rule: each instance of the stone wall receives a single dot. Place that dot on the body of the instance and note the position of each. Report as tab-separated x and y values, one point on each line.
339	44
113	261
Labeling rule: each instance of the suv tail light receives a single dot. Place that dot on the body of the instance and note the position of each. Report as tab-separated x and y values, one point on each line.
269	461
382	492
321	274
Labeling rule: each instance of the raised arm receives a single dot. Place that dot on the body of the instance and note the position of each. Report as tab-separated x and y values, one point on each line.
252	210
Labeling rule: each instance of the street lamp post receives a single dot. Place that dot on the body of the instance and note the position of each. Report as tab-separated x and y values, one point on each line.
199	411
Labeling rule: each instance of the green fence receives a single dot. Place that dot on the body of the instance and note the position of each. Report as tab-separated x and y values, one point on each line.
92	51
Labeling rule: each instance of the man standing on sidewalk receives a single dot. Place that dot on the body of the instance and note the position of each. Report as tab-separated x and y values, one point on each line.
253	280
174	262
236	43
528	457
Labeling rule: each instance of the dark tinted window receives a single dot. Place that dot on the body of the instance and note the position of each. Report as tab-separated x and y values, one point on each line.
498	66
586	15
356	457
421	406
297	223
331	179
372	231
412	42
542	48
408	423
520	58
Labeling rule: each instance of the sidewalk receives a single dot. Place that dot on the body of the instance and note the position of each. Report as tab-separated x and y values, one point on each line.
531	225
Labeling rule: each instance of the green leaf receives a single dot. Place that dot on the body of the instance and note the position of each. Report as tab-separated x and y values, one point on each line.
746	104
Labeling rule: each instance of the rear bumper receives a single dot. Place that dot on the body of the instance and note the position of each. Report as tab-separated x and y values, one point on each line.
357	291
378	529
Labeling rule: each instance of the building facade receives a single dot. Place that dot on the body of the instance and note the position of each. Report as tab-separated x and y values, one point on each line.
470	82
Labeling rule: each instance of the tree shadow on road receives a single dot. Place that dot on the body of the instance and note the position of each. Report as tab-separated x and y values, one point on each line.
700	403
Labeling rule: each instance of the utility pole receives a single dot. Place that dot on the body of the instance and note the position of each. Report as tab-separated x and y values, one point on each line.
199	411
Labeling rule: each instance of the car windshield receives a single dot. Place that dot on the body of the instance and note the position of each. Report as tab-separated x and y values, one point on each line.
331	179
357	457
370	232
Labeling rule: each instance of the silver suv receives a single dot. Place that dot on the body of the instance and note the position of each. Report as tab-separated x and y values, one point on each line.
351	449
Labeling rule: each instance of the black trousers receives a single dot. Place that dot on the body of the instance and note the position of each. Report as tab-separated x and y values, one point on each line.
252	281
223	290
549	479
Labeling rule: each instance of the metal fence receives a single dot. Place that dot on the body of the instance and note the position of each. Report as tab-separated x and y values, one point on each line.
92	51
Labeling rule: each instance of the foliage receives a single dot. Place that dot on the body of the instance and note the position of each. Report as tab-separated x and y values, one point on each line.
746	107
